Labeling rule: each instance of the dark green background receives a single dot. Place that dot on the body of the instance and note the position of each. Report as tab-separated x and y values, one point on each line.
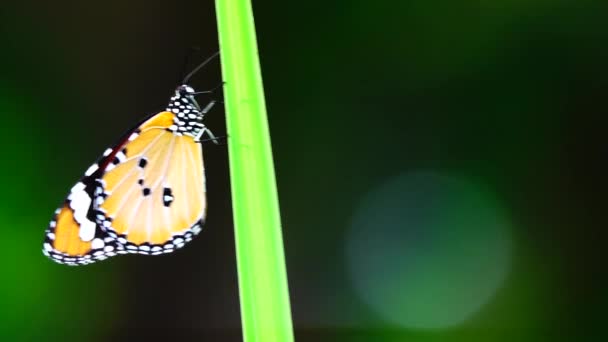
438	165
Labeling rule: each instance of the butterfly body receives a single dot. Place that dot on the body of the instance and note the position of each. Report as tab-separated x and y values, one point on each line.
145	195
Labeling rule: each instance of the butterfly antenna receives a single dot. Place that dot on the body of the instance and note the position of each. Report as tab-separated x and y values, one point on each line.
191	51
187	78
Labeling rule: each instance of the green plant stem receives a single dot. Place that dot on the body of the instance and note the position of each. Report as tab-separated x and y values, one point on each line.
264	295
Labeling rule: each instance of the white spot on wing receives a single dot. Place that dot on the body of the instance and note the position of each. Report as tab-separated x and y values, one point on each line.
121	157
80	201
97	244
196	229
78	187
91	170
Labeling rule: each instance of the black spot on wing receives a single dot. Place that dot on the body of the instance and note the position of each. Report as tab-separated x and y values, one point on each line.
167	197
147	191
143	162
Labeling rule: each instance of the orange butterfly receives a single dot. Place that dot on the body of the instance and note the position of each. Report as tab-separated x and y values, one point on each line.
145	195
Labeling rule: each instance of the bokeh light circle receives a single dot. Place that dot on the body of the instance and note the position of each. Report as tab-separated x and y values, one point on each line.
428	250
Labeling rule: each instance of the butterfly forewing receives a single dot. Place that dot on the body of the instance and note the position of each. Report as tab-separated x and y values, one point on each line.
73	236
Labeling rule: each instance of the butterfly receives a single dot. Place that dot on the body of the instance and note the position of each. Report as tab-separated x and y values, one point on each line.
145	195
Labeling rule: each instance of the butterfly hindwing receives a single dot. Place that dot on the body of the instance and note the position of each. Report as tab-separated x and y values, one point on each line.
153	199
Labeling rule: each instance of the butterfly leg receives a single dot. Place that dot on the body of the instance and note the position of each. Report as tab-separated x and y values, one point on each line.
212	137
204	130
215	140
210	91
208	107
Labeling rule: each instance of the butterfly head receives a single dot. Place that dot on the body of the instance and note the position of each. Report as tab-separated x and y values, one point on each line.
183	103
185	90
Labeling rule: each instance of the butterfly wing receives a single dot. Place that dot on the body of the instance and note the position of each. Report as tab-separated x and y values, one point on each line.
152	197
146	195
73	236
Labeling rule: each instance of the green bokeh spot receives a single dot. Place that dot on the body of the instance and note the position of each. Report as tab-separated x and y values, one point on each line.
428	250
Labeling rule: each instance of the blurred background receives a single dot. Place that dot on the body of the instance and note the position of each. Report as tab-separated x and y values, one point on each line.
438	164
